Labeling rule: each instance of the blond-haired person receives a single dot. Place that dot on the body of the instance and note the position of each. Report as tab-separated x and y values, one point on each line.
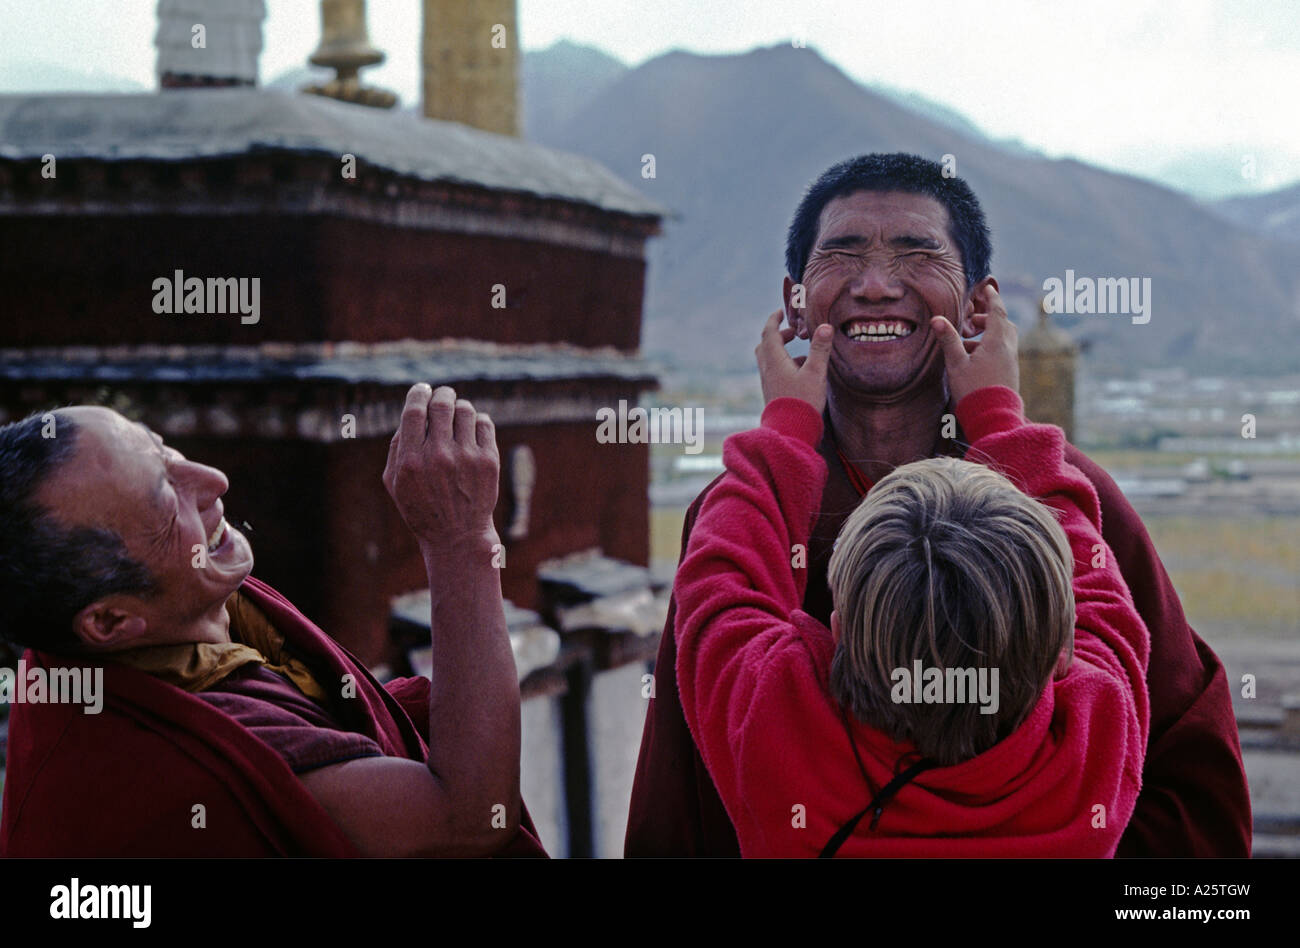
981	688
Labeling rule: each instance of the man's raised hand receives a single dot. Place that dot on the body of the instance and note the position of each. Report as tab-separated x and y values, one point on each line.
783	376
972	365
443	470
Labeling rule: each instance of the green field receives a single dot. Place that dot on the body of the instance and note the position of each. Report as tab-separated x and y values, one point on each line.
665	533
1236	576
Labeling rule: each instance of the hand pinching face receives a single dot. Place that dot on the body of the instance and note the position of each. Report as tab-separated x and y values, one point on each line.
803	377
974	364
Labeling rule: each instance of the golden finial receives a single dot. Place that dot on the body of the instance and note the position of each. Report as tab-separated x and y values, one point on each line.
345	48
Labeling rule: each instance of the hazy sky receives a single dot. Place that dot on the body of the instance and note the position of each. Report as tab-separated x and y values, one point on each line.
1135	85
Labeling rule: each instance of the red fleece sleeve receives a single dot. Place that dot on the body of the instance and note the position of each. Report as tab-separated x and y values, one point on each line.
1109	633
736	587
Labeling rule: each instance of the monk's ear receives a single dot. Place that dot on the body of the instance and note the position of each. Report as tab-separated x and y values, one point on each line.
835	627
105	625
795	317
976	302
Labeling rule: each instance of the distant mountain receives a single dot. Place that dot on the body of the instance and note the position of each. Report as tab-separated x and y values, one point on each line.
738	138
1275	214
561	80
20	76
935	111
945	115
1213	174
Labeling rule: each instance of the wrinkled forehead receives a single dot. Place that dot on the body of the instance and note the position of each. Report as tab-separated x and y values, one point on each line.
884	215
106	438
111	468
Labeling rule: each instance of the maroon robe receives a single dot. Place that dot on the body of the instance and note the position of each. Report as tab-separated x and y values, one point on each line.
1194	799
124	782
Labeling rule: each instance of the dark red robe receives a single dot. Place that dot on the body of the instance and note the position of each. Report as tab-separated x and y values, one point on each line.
1194	800
125	782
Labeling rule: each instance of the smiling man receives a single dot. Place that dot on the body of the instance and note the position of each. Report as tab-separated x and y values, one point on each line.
879	245
232	725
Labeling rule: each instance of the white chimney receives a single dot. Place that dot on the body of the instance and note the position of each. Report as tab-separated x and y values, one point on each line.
209	42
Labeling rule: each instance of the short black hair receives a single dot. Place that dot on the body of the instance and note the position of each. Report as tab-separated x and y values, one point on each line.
898	171
48	572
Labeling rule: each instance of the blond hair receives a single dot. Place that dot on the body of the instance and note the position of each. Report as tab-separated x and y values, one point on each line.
947	562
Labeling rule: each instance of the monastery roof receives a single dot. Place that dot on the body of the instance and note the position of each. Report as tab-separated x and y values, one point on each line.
190	124
398	363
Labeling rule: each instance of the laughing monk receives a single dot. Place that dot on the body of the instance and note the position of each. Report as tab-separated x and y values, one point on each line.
878	246
232	726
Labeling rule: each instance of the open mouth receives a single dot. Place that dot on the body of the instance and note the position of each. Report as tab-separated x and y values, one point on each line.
877	330
219	537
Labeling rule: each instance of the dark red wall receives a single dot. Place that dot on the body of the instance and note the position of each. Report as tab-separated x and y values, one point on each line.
586	495
89	281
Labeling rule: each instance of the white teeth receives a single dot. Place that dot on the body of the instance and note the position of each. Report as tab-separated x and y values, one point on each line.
878	332
216	534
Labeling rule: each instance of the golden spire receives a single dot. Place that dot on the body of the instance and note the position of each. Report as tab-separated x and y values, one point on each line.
345	48
1044	337
1048	368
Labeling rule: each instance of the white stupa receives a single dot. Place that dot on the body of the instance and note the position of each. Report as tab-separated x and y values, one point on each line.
226	50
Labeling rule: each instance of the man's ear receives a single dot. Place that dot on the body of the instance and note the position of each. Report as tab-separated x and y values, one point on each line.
794	317
835	627
106	625
976	303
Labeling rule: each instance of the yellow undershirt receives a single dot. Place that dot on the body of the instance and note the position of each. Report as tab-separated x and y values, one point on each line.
196	666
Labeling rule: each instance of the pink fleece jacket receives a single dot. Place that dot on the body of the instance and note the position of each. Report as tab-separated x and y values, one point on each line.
753	671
